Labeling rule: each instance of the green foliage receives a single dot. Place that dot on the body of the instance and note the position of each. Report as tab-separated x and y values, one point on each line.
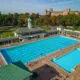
35	18
21	19
67	20
44	21
6	34
13	19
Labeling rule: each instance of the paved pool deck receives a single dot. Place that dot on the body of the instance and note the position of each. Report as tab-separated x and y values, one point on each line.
47	61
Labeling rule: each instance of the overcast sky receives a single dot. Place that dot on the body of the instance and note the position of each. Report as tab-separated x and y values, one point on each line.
37	6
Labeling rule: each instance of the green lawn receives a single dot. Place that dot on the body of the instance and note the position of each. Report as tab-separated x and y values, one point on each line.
8	32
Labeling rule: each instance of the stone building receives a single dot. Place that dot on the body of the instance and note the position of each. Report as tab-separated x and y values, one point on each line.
57	13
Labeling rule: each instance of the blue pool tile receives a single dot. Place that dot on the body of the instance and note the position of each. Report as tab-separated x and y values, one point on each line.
31	51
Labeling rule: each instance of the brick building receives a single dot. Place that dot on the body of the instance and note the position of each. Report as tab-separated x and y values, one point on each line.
57	13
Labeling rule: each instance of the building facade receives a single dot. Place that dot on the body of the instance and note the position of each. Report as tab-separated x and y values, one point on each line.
57	13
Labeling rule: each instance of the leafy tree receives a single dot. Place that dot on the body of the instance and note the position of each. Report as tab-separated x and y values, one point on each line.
22	19
53	20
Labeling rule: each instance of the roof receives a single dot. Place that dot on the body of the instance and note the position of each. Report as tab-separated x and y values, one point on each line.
34	35
26	30
8	38
21	65
52	31
60	26
12	72
70	31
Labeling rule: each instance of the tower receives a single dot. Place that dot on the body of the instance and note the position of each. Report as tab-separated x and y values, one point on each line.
29	23
51	10
45	11
68	10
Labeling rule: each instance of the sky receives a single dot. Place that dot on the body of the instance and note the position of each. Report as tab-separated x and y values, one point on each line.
37	6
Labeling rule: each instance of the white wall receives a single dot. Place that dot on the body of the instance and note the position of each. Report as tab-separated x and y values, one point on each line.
59	29
15	34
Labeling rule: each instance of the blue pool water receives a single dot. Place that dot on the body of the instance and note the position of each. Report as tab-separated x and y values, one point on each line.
68	61
32	51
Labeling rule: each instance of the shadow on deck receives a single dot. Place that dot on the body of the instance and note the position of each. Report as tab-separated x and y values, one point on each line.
46	72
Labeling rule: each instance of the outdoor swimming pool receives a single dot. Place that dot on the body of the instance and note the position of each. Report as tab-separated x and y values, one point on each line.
32	51
68	61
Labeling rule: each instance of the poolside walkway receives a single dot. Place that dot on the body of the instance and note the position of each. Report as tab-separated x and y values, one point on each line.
56	70
46	61
75	75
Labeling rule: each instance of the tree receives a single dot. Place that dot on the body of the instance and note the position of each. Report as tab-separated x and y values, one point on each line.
53	20
22	19
15	19
0	12
47	20
39	21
